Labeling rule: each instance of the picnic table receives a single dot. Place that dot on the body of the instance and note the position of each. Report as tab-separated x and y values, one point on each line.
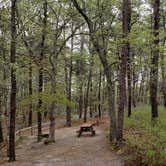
86	127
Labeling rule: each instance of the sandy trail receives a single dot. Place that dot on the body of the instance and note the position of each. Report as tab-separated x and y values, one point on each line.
68	150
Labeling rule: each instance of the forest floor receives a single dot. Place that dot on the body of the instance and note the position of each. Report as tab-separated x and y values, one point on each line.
68	150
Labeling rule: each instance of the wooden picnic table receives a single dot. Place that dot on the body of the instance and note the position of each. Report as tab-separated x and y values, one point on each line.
86	127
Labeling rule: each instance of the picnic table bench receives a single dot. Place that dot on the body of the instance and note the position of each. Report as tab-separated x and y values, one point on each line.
86	127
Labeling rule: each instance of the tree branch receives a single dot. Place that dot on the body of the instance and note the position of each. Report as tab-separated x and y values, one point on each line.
84	15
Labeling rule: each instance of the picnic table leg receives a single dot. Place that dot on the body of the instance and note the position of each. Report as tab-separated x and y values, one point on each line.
79	134
92	131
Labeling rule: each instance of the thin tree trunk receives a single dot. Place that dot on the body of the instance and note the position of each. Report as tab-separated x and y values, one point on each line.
52	109
80	73
134	80
122	89
1	129
154	62
52	123
68	84
13	84
87	95
1	132
125	53
68	109
39	114
68	77
129	85
92	52
111	91
99	95
5	89
91	99
30	94
104	89
111	102
80	99
163	66
5	100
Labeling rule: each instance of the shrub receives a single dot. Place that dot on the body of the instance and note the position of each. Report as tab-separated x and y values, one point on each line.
146	145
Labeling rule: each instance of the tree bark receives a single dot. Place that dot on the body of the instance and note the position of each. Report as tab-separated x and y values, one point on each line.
39	114
69	83
111	102
129	85
1	133
91	100
163	66
13	83
1	129
99	94
30	94
92	52
154	61
52	123
87	94
68	109
134	80
126	12
68	79
80	73
52	108
111	91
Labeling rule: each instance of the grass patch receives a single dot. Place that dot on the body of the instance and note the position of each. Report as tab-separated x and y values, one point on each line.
146	145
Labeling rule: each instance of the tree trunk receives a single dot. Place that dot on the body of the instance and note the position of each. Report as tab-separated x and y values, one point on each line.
52	123
124	55
80	99
99	95
1	129
1	133
68	79
129	85
154	62
13	84
121	98
69	83
87	94
91	100
111	102
5	89
111	91
41	71
134	80
92	53
80	73
68	109
52	109
163	66
30	94
39	115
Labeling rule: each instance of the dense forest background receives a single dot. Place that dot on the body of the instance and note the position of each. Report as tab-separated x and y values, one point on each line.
81	59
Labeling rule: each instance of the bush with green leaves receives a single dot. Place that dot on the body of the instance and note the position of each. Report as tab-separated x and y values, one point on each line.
47	99
145	144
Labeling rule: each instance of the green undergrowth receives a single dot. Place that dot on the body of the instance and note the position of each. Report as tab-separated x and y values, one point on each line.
145	145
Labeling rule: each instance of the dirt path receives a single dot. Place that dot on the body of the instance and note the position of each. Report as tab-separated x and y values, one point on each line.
67	151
